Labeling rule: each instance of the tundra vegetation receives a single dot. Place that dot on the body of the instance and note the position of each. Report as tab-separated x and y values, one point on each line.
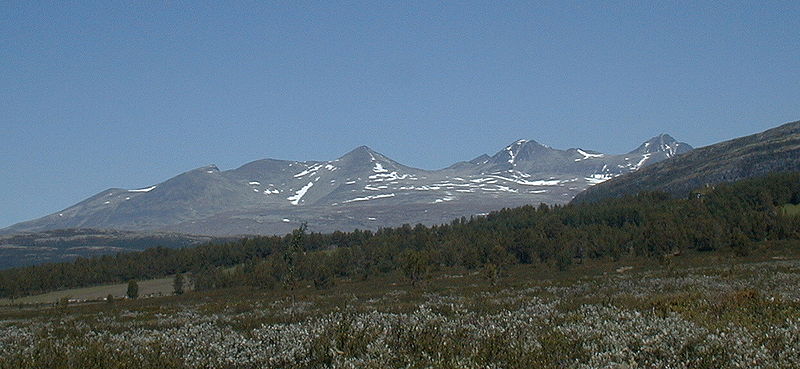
604	315
646	281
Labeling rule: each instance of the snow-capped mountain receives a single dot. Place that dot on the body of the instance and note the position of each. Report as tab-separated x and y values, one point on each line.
362	189
772	151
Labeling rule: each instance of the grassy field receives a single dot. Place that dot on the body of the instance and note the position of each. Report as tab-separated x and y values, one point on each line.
153	287
791	209
689	311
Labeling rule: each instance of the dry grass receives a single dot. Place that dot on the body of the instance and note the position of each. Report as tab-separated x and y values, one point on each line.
694	311
153	287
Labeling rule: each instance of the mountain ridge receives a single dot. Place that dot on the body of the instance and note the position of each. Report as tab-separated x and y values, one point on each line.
361	189
774	150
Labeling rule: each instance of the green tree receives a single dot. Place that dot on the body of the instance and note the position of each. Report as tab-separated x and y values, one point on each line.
415	265
133	290
292	257
177	284
563	260
740	243
264	274
323	277
498	263
492	273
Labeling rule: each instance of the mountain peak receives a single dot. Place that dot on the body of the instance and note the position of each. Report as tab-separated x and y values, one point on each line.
774	150
360	151
523	143
664	138
519	150
662	143
364	154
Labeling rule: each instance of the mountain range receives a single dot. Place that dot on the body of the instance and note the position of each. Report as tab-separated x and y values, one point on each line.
774	150
362	189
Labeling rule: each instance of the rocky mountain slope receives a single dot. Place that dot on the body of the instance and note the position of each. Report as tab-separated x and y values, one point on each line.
774	150
362	189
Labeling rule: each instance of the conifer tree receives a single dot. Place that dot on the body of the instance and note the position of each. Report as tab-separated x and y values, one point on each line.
177	284
133	289
415	266
292	257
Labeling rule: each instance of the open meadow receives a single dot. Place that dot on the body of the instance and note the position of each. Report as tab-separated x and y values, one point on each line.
706	312
151	287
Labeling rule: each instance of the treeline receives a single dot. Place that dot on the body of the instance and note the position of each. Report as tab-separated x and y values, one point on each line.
731	216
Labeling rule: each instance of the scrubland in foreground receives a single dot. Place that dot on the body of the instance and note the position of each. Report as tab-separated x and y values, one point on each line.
734	315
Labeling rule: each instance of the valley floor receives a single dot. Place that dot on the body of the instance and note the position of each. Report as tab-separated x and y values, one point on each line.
743	314
148	288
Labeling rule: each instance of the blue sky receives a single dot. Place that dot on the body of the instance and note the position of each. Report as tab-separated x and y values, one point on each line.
128	94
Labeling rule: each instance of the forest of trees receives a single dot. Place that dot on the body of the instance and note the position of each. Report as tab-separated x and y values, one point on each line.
730	217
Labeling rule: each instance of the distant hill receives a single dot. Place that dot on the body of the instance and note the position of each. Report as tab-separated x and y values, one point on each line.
362	189
771	151
732	219
32	248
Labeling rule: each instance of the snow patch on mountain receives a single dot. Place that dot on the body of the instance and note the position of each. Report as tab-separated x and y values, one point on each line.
587	155
523	182
444	199
310	170
598	178
295	199
148	189
512	153
371	197
383	176
379	168
641	162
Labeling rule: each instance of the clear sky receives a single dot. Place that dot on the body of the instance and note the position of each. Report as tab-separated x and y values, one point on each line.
128	94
